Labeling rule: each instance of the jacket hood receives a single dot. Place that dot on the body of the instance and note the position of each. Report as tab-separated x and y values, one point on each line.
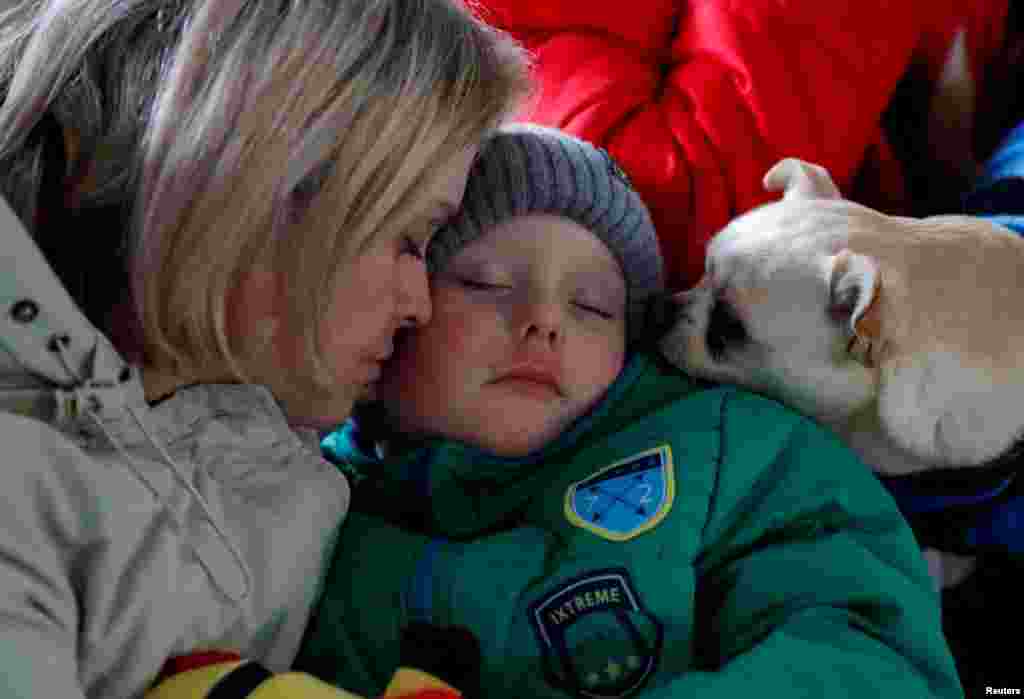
56	367
45	339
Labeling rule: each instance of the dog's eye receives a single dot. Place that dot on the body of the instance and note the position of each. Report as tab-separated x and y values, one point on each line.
725	330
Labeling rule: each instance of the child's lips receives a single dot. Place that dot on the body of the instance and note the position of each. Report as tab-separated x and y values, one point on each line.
532	379
534	389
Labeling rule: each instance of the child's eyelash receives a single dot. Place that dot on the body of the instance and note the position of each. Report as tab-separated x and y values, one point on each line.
595	310
474	285
479	286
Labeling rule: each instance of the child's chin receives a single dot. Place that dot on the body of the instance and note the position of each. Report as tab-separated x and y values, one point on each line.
519	443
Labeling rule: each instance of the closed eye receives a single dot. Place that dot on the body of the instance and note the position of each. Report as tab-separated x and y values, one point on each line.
479	286
595	310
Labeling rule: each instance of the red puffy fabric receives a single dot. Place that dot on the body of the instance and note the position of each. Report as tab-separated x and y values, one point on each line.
698	99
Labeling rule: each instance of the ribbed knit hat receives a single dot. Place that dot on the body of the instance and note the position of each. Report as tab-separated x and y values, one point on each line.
529	169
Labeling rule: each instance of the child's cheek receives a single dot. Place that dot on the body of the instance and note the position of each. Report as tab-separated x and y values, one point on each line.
458	336
466	327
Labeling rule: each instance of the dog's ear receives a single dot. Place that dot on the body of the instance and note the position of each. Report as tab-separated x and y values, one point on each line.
799	179
855	287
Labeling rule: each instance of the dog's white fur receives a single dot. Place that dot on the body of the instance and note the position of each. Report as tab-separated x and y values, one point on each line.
904	335
940	379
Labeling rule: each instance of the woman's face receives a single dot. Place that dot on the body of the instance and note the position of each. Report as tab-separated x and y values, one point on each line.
384	288
528	333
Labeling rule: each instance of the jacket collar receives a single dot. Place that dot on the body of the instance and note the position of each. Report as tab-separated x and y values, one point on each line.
37	316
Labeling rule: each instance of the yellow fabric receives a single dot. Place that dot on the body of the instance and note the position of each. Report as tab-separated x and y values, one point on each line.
193	684
407	680
298	685
197	683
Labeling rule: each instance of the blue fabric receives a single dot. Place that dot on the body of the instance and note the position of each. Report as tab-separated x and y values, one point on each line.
420	592
1002	529
993	516
1007	160
343	441
999	192
418	474
341	448
910	500
1014	223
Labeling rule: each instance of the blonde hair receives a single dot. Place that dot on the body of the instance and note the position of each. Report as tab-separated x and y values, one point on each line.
284	134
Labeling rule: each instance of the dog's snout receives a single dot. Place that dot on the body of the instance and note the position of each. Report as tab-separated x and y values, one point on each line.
663	312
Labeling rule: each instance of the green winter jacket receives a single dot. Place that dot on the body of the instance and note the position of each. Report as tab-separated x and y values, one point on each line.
678	541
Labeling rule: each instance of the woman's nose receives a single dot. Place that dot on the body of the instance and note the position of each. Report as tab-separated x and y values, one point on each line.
414	306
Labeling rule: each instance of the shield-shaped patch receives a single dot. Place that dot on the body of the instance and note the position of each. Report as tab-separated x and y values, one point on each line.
625	499
596	638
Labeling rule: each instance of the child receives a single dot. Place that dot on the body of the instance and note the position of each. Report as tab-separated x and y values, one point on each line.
605	526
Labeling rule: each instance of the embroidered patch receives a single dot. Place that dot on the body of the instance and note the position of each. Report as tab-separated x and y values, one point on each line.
625	499
596	639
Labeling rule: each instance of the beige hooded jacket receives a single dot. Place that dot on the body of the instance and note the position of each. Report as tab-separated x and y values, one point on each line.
129	532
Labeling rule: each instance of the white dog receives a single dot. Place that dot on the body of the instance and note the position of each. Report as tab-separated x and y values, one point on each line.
906	336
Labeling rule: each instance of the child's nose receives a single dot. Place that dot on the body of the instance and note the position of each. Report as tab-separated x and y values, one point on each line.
543	321
548	334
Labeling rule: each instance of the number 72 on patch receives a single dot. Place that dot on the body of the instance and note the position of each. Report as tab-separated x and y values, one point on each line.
625	499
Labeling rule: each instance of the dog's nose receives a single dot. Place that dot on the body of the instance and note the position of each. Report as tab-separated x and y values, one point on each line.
663	311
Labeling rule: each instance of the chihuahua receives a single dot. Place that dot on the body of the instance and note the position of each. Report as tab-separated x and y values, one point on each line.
903	335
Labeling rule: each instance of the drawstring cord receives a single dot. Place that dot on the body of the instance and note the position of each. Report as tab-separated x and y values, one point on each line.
84	394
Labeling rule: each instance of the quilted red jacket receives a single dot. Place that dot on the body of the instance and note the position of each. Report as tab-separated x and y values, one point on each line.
698	98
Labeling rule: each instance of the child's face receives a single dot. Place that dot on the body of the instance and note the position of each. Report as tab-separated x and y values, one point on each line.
528	331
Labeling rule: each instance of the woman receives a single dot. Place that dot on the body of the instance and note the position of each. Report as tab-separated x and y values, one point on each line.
255	172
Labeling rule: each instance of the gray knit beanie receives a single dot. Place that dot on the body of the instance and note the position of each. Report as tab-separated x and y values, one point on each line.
529	169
